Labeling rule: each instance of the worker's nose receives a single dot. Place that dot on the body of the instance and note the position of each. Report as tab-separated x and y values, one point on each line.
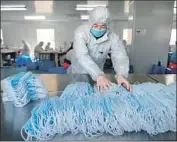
99	28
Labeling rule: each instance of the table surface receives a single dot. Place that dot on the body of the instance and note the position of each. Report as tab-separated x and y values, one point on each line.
4	51
48	52
165	79
14	118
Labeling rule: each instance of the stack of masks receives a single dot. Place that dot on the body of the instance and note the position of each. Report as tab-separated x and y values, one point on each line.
82	109
22	88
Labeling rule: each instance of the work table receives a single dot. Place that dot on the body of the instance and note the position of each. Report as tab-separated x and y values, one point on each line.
14	118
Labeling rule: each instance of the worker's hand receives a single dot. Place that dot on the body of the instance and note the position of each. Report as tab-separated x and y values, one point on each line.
123	82
103	84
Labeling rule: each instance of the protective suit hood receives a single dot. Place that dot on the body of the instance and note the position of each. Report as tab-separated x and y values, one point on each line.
99	15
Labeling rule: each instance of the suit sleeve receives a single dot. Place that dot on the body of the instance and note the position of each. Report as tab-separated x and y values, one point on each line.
83	57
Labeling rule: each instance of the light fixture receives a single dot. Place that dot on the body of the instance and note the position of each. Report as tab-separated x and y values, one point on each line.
3	6
34	17
82	5
174	10
175	4
88	7
84	17
84	8
13	7
130	18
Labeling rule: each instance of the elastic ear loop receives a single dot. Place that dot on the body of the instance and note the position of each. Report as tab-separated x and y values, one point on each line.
109	103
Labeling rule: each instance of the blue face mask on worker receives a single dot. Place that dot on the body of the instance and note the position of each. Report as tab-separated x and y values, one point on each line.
98	32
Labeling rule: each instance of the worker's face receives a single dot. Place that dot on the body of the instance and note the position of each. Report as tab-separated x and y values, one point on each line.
100	26
98	30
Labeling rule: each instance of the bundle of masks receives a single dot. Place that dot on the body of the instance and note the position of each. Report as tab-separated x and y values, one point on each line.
22	88
83	109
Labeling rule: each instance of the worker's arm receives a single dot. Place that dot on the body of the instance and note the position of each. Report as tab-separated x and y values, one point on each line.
119	57
120	62
83	56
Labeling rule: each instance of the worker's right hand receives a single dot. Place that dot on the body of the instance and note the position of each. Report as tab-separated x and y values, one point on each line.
103	84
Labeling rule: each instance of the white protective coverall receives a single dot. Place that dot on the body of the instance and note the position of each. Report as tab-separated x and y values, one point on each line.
26	47
90	54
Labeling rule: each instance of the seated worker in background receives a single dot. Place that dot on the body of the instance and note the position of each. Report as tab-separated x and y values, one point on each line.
92	43
47	47
2	45
38	48
26	48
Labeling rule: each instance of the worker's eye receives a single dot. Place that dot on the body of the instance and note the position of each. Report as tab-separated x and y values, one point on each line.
95	26
103	26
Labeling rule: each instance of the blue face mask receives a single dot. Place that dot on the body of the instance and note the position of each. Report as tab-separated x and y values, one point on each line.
97	33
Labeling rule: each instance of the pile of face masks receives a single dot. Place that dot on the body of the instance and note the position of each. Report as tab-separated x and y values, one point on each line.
82	109
22	88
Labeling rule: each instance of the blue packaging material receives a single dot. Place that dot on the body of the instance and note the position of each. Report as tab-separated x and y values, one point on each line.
23	60
82	109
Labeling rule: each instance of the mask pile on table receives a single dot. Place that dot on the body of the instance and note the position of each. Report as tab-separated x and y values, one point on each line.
82	109
22	88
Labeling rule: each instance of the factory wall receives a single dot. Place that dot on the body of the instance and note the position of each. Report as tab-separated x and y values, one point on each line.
156	17
14	32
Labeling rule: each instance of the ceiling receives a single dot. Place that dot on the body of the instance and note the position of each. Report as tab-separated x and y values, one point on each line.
61	10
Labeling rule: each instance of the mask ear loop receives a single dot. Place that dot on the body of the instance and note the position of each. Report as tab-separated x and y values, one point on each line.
119	113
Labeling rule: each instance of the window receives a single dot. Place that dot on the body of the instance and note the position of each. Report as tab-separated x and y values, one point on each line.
174	9
2	42
46	35
127	35
173	37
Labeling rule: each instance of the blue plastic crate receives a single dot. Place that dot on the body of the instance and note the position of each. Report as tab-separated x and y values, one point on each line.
158	69
170	71
31	66
58	70
46	65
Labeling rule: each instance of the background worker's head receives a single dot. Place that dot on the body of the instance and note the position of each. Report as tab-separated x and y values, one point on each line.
99	20
41	43
48	43
23	42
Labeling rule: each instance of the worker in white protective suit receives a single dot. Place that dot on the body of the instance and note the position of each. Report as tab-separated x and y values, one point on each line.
47	47
38	49
92	42
26	48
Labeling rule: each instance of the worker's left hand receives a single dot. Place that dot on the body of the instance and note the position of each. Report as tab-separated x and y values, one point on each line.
123	82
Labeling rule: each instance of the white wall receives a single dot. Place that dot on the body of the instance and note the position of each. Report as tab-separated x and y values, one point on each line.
156	17
14	32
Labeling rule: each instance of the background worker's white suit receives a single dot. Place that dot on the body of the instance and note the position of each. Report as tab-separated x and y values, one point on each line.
90	54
